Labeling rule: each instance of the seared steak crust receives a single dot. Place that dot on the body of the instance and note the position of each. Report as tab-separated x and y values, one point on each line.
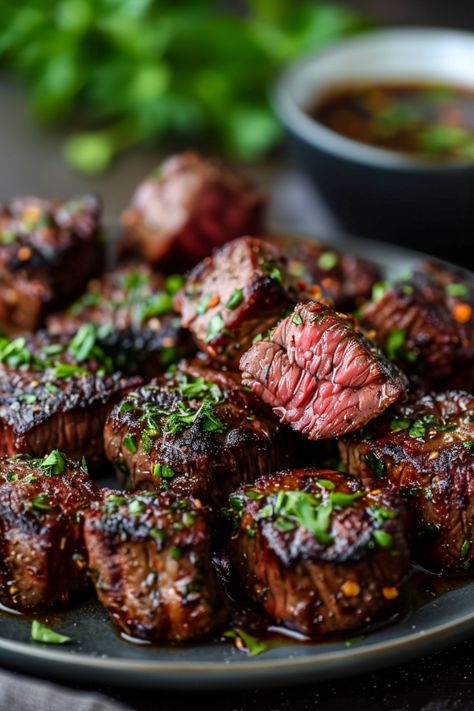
133	306
424	449
196	432
241	291
426	324
317	551
42	554
320	374
151	564
48	250
188	207
345	279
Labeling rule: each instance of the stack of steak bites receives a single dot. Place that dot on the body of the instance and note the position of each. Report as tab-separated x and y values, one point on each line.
202	390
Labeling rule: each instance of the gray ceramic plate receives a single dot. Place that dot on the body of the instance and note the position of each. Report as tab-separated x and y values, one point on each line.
98	655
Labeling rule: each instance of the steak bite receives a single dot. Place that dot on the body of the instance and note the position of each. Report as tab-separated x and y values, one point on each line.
235	295
151	564
345	279
320	374
196	432
133	307
48	251
42	553
56	393
188	206
318	552
425	323
424	450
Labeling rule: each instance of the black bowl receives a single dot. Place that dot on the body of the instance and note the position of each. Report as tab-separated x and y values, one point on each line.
411	201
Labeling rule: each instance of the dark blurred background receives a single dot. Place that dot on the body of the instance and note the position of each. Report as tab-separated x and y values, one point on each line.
32	152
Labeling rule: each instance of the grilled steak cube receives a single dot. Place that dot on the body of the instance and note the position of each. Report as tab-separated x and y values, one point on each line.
133	307
345	279
186	208
425	323
42	553
151	564
424	449
48	251
317	551
235	295
55	395
196	432
319	374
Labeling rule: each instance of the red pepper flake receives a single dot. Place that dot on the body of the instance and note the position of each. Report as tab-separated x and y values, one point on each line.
213	301
462	312
24	253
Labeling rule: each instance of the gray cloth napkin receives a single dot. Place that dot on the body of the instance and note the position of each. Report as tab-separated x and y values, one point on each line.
19	693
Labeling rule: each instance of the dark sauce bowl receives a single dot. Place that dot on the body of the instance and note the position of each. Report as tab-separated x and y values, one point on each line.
423	203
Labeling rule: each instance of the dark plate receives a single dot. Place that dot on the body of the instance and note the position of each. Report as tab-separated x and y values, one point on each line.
98	654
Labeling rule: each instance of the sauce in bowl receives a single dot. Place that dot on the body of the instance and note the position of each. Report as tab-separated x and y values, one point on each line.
429	120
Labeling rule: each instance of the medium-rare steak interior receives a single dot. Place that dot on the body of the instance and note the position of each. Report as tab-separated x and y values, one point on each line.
320	374
150	558
195	432
42	554
425	323
424	450
188	206
48	251
235	296
316	550
133	307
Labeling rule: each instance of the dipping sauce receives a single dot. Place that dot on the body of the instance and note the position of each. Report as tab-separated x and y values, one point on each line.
431	120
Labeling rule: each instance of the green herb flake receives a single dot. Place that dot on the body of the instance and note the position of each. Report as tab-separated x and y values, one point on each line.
465	548
203	304
176	553
342	499
395	343
41	502
130	444
54	463
297	319
215	328
468	444
379	289
326	484
136	507
354	640
163	470
457	289
42	633
235	299
328	260
375	464
173	283
382	538
246	641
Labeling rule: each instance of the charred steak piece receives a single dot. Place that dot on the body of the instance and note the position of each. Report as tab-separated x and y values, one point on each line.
425	323
235	295
57	394
319	374
424	450
345	279
317	551
48	251
196	432
133	307
151	564
186	208
42	553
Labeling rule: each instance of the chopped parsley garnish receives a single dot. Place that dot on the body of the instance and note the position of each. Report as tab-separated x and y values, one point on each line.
130	443
203	304
53	463
246	641
235	299
382	538
215	328
136	507
328	260
42	633
297	319
375	464
174	283
342	499
395	343
457	289
465	548
163	470
379	289
468	444
41	502
176	553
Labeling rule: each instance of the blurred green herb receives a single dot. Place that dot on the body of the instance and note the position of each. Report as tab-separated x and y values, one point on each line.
128	71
